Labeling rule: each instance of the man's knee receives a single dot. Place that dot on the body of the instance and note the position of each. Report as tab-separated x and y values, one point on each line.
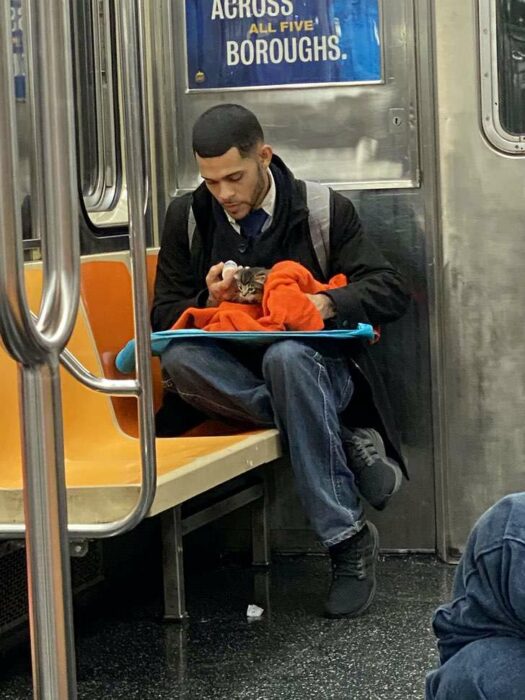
179	355
285	357
187	359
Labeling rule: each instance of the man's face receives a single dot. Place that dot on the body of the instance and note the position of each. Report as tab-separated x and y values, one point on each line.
238	183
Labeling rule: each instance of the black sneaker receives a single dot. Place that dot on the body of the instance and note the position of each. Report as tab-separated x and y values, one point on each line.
376	476
353	574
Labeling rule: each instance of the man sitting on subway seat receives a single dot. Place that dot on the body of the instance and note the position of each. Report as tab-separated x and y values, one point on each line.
325	397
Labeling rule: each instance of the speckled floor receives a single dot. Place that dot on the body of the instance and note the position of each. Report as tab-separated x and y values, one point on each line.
126	652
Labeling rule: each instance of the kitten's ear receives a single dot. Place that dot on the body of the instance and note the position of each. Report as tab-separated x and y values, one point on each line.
261	276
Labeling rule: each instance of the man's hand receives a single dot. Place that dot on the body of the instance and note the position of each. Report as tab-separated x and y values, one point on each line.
323	304
219	289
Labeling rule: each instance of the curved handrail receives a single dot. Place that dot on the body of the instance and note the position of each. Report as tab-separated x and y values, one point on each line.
113	387
14	316
28	341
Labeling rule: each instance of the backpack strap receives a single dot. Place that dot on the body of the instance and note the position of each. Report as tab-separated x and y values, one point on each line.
192	226
318	203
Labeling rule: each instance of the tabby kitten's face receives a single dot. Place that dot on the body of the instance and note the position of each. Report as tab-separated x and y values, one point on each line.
250	283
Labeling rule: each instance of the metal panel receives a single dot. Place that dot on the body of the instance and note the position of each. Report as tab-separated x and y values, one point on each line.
396	222
160	94
355	137
433	258
482	287
366	136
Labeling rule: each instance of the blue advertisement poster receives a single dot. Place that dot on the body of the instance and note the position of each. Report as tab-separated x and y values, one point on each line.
17	36
256	43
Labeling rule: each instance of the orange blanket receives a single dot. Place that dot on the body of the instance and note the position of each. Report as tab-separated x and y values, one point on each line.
285	306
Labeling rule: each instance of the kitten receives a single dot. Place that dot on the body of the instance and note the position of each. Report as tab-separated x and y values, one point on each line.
250	283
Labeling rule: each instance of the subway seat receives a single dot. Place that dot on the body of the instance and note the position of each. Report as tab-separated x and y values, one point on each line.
102	453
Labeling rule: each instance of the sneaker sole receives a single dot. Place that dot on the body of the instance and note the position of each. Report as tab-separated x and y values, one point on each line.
356	613
398	474
397	485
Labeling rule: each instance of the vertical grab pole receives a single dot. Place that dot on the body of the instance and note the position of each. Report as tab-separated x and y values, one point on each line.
37	347
130	31
49	577
49	581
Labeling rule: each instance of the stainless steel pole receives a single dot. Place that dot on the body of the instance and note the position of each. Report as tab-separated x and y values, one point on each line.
49	582
36	347
131	40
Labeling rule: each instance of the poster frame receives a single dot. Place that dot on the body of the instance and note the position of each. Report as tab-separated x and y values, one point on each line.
287	86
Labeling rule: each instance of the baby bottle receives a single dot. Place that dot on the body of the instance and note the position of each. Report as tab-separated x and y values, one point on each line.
229	269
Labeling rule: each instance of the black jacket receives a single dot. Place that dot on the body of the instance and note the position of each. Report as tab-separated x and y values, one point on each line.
375	295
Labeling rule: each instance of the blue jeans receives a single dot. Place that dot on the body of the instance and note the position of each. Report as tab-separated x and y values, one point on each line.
481	632
301	388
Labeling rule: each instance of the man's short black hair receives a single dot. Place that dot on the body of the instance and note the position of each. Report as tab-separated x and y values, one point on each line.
223	127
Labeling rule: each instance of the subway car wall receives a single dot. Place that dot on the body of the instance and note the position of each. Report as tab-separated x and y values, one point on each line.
435	170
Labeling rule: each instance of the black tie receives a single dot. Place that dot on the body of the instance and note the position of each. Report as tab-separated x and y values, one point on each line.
252	225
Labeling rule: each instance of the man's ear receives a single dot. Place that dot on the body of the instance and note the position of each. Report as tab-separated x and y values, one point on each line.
265	154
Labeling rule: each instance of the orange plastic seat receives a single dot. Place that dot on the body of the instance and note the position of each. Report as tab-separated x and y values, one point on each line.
106	295
102	461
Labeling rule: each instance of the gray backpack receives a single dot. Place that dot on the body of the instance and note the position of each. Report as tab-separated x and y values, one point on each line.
318	202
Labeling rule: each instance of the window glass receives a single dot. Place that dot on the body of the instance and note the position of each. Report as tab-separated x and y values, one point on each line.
86	113
97	114
510	22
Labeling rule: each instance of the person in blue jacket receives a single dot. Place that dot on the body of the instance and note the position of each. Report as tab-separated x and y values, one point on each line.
481	632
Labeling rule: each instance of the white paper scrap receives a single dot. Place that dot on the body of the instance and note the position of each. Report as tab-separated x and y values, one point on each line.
254	611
